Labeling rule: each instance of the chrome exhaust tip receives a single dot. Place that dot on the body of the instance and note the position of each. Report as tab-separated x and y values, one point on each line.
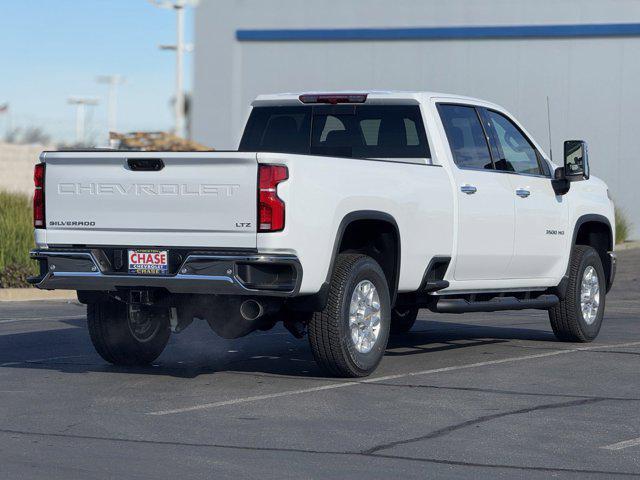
251	310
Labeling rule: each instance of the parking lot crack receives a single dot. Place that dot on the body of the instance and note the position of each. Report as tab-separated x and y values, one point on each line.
439	461
615	352
503	392
485	418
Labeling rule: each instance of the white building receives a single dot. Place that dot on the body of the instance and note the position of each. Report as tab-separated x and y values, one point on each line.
583	54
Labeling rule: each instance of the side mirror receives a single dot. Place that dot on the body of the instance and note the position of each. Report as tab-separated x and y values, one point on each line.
576	160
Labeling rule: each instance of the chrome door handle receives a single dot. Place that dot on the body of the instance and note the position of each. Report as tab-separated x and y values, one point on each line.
523	192
468	189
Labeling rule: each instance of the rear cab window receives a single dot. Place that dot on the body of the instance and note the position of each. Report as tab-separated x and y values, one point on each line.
356	131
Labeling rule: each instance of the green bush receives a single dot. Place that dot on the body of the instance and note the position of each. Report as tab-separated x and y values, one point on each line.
622	226
16	239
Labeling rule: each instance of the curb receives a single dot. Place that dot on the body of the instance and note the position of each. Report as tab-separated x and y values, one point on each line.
627	246
32	294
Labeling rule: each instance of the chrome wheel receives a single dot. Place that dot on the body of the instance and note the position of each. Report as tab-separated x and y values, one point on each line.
590	295
364	316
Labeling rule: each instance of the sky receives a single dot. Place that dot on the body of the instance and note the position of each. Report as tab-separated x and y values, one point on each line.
53	49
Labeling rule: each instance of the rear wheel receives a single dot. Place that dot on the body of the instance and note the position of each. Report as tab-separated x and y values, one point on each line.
403	319
348	338
578	317
125	338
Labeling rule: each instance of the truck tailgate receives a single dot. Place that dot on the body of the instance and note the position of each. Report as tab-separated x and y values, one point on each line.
195	199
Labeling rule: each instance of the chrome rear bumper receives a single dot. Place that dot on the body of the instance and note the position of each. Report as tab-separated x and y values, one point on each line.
200	272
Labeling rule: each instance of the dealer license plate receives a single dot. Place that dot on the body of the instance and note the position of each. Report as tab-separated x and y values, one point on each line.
148	262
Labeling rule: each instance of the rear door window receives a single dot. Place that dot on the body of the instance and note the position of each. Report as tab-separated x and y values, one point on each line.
466	136
359	131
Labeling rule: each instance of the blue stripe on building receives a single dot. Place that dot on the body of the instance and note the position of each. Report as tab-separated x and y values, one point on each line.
443	33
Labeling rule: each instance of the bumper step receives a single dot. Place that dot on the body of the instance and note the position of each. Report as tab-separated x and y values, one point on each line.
461	305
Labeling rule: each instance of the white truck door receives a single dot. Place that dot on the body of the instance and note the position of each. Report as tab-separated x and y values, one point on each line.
485	198
541	216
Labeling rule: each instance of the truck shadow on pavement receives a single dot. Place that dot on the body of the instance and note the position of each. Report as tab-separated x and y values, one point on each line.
198	351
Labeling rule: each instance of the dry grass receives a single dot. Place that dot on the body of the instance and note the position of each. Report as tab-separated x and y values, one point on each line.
623	226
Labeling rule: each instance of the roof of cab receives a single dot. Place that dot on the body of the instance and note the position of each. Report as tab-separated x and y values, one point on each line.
294	97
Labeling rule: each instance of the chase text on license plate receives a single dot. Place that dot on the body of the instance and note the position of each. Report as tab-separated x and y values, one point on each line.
148	262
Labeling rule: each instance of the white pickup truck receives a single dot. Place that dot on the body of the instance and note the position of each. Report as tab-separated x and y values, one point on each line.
341	214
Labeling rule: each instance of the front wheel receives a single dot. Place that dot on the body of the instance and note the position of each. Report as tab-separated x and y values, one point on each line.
578	317
125	338
348	338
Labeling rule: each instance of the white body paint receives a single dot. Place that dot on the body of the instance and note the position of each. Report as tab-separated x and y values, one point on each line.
496	240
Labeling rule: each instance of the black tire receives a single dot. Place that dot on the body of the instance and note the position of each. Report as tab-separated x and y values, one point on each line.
112	335
567	320
403	319
329	331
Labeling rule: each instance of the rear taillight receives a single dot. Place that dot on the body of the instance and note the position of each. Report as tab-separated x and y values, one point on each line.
38	196
270	206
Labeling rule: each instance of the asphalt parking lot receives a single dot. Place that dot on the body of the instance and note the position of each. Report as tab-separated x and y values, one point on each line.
473	396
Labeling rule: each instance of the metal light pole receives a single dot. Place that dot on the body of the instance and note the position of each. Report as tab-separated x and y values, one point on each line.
180	47
4	110
81	103
112	103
